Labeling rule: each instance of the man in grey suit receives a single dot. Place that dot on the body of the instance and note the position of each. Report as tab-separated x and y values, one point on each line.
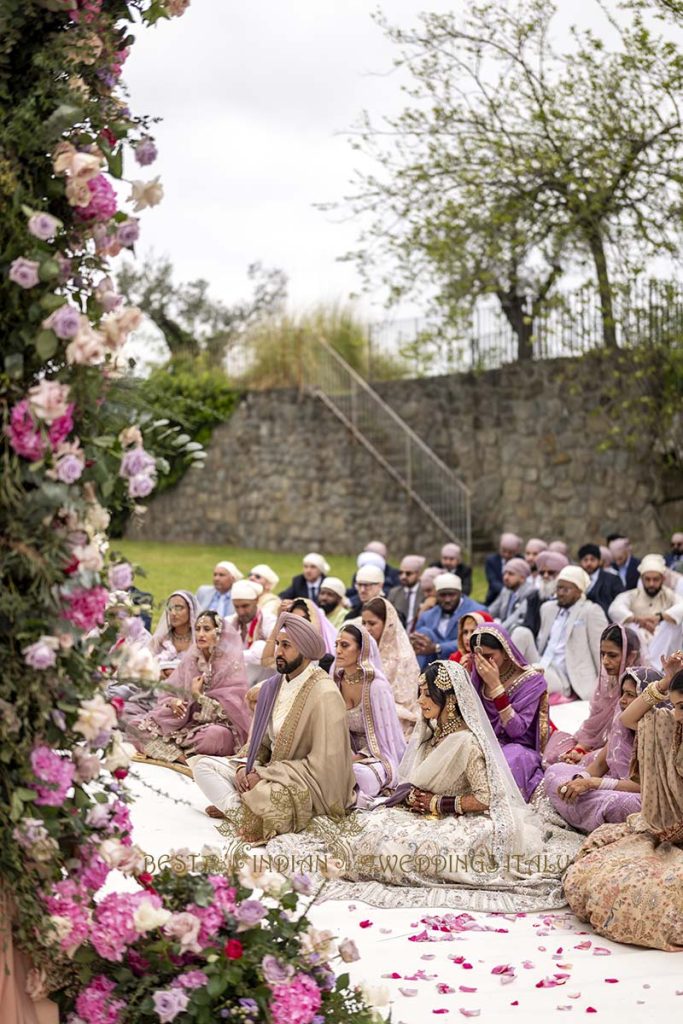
407	596
217	597
568	646
510	607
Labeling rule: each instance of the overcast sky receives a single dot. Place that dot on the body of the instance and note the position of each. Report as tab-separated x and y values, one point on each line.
255	98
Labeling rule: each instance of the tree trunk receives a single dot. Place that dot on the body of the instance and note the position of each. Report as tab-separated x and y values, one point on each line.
522	324
609	330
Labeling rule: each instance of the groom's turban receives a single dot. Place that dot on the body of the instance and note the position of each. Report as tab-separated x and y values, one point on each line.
303	635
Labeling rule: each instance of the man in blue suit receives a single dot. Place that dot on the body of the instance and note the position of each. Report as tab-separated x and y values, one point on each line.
436	632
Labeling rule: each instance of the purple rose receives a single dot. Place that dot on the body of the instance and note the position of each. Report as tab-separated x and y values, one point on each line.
44	226
145	152
274	971
121	576
302	884
140	486
169	1002
69	469
65	322
24	272
39	655
136	461
249	913
128	233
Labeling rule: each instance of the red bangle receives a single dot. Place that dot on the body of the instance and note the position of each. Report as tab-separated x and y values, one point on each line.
579	749
502	702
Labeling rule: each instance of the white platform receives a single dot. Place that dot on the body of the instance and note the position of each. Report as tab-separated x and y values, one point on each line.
621	980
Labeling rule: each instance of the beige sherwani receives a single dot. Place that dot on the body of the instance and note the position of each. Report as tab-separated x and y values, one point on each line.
667	637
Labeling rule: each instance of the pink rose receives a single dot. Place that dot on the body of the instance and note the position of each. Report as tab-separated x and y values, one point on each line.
44	226
65	321
41	654
24	435
87	348
24	272
48	400
121	576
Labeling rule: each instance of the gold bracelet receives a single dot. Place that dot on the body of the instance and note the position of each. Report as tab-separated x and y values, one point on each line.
457	805
653	695
497	693
434	805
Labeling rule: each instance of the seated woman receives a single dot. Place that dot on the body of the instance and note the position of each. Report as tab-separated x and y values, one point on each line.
399	663
515	699
588	796
619	650
627	880
375	731
466	627
205	711
174	634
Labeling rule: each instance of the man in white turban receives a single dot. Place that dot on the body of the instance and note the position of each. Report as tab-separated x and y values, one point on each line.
568	646
654	609
253	625
307	583
268	579
216	597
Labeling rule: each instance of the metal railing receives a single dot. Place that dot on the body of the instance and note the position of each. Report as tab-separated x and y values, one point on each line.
427	480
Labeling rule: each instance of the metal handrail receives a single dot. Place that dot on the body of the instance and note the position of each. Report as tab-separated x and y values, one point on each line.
416	468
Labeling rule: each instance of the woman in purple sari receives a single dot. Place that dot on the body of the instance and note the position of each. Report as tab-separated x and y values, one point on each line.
587	797
205	711
375	730
515	699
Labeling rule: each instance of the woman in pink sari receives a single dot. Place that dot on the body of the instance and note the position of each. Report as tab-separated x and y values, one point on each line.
619	650
206	711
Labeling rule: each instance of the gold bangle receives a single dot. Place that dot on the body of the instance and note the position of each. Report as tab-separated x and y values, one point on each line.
434	805
653	695
457	805
497	693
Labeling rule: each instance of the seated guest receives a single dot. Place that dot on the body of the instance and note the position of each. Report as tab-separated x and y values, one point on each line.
427	587
510	606
627	880
175	630
602	790
298	757
369	584
619	650
436	632
308	583
407	597
603	586
466	627
216	597
268	579
378	547
450	560
653	609
515	700
253	625
332	600
675	556
375	731
399	663
534	546
569	638
560	547
606	560
509	547
549	565
624	562
204	710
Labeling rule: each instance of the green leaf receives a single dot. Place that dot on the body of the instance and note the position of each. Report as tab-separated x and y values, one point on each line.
115	162
25	794
52	302
46	344
48	270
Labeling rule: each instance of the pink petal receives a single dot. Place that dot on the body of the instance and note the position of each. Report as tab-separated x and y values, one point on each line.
467	967
392	975
647	986
584	945
528	965
591	1009
408	992
441	1011
515	1002
503	969
552	982
365	924
456	959
428	956
466	988
601	951
612	981
542	949
420	937
573	995
470	1013
559	949
444	989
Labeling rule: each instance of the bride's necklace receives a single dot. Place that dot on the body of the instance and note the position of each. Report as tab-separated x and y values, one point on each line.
451	726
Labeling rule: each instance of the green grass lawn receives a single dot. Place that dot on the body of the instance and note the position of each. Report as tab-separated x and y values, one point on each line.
169	567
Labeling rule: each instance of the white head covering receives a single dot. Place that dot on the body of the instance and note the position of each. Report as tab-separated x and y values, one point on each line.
652	563
334	584
267	573
246	590
447	581
370	558
378	547
370	574
313	558
412	563
451	550
231	568
576	575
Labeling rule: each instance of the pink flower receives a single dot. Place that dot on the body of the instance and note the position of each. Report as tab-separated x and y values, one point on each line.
85	608
24	435
113	928
44	226
140	486
87	766
55	772
168	1003
64	321
68	903
40	655
176	8
184	927
87	347
295	1003
49	400
61	427
102	205
95	1004
121	576
69	468
136	461
24	272
191	979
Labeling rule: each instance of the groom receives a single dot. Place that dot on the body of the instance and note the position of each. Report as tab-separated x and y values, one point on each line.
298	758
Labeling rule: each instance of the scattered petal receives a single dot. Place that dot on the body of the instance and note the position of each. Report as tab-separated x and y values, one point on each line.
573	995
444	989
467	967
466	988
564	1007
584	945
515	1002
528	965
601	951
428	956
408	992
591	1009
647	986
470	1013
386	931
441	1011
365	924
611	981
456	959
351	906
392	975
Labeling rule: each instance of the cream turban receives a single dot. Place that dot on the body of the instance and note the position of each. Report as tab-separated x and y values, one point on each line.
412	563
535	544
519	566
303	635
677	538
575	574
334	584
370	558
558	545
551	560
246	590
378	547
231	568
451	551
447	581
652	563
510	540
370	574
267	573
318	561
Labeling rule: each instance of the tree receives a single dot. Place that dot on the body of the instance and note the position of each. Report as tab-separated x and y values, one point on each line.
515	162
191	322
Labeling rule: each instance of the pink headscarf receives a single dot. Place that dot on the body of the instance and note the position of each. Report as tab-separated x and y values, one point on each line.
593	733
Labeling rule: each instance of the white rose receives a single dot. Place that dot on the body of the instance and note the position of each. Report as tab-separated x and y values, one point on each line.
321	942
139	663
248	877
110	852
94	717
119	754
98	816
132	860
146	193
147	917
272	883
96	517
88	557
374	995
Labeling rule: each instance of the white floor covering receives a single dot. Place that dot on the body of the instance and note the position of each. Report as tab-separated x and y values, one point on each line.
433	968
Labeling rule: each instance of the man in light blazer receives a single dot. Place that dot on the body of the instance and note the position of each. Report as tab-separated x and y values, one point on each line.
568	646
216	597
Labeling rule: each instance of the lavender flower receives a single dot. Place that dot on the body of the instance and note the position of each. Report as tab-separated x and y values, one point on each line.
146	152
65	322
44	226
24	272
128	233
136	461
140	486
249	913
302	884
69	469
39	655
169	1002
274	971
120	576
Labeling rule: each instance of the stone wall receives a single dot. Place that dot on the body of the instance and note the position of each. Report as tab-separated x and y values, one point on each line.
284	473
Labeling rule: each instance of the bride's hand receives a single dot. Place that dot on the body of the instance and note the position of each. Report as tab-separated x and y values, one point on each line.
488	672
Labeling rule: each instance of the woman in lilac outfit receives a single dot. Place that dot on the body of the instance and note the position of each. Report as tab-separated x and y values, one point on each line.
515	699
375	730
589	796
